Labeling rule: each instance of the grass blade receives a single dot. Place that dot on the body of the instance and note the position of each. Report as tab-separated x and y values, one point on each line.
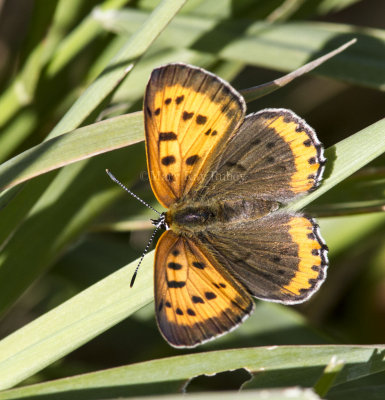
305	364
119	66
69	148
284	47
73	323
347	157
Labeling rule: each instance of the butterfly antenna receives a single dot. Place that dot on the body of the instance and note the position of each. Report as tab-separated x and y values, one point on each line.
159	223
144	253
129	191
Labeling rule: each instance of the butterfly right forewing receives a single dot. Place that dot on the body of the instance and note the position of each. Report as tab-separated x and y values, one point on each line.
189	114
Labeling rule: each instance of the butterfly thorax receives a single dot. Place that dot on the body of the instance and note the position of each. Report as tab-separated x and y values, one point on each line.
195	216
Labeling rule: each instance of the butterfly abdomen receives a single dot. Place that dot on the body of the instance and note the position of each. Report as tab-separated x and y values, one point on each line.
198	216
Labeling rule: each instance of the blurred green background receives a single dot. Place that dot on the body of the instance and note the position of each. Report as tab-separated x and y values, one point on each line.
91	229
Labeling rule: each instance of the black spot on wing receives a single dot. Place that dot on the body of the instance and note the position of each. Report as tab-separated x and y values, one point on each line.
176	284
168	160
179	99
201	119
238	166
170	178
166	136
192	159
186	115
255	142
198	265
210	295
175	266
197	299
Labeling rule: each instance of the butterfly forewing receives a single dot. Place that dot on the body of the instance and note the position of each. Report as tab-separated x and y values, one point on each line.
195	299
188	113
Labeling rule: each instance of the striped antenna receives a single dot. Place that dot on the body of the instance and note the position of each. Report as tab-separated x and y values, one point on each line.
158	223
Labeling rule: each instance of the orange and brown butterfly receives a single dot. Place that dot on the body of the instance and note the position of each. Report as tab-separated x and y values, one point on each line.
222	177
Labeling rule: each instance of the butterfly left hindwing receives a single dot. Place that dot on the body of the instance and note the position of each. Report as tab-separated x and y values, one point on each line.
280	257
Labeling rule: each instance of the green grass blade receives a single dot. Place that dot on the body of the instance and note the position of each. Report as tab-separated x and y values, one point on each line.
119	66
347	157
77	195
74	146
284	47
73	323
304	364
22	90
78	39
330	374
289	393
256	92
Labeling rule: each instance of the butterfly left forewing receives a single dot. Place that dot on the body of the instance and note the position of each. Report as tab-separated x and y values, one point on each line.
196	300
188	114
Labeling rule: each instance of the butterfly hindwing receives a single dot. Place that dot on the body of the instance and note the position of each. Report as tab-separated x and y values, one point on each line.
274	155
280	257
188	112
195	299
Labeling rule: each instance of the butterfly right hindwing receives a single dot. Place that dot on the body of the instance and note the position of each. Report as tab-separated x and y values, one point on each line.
275	155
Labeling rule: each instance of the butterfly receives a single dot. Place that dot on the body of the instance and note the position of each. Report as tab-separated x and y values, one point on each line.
223	176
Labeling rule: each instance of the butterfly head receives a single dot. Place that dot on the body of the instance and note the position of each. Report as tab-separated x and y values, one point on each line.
161	222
